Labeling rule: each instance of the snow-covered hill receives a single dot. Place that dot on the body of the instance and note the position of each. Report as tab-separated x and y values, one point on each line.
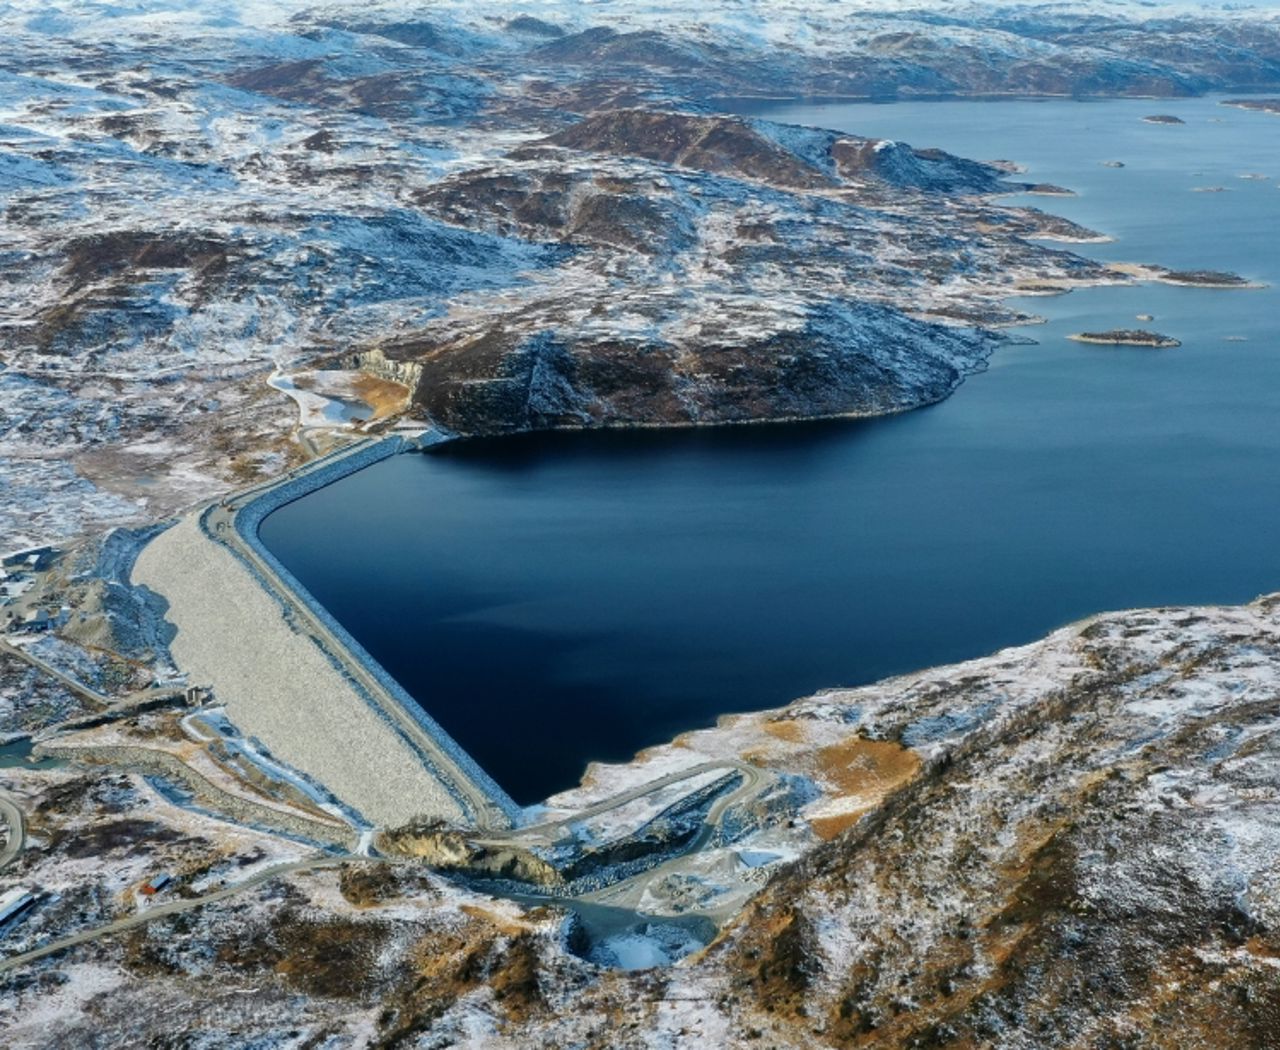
197	194
1071	840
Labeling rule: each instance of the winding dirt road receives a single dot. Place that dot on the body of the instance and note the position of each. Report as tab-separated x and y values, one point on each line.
17	824
621	893
159	911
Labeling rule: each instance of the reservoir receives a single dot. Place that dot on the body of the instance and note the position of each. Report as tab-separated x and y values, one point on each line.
557	599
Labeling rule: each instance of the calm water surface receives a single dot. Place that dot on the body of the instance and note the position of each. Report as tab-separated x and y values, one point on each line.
562	598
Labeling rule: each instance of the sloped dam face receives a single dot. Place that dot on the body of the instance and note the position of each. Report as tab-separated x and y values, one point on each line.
560	598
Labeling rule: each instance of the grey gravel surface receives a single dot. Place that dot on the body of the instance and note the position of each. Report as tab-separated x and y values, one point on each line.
278	686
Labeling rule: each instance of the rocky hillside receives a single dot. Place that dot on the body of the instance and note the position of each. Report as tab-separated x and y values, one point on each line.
721	270
514	198
1088	862
840	358
1069	843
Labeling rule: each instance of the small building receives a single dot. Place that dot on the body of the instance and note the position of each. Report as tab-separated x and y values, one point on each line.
14	903
33	559
15	585
155	884
37	620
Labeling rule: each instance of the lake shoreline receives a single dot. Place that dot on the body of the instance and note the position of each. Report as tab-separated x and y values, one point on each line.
474	449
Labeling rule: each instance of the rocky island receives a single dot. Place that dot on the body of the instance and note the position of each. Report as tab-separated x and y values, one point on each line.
1257	105
1126	337
1206	279
1163	118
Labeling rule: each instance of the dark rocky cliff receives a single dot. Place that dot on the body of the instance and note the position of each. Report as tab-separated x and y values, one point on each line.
845	359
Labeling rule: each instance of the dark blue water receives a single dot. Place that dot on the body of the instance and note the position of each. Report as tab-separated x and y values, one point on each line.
562	598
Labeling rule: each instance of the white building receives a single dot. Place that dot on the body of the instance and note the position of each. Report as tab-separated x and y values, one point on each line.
14	902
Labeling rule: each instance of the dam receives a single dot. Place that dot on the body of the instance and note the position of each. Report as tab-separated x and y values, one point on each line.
292	678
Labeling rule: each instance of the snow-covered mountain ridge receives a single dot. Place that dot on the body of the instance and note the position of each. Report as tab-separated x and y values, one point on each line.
196	195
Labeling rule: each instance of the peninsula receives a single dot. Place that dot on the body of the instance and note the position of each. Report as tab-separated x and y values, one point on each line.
1258	105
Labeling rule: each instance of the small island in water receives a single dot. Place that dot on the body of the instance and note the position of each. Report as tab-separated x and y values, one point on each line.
1190	278
1258	105
1164	118
1127	337
1207	279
